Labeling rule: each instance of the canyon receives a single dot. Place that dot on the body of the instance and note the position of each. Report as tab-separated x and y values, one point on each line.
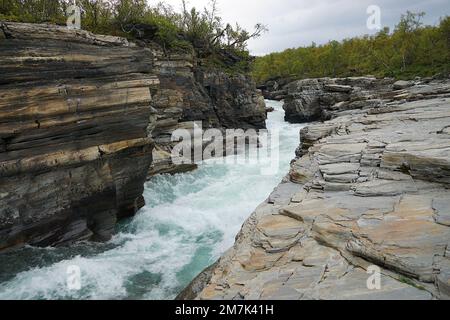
86	119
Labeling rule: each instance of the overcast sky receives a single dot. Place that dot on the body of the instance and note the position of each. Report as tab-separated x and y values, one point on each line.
294	23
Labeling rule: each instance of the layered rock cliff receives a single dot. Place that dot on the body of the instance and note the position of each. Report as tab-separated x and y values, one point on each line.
370	188
192	93
74	148
275	89
322	99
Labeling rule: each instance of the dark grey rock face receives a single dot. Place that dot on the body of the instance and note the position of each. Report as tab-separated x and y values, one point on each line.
275	89
306	98
235	100
82	117
326	98
192	93
321	99
74	149
369	190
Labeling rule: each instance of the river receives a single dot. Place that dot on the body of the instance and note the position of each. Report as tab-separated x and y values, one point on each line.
189	221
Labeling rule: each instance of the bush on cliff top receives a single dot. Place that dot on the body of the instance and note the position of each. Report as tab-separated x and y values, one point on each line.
411	50
203	31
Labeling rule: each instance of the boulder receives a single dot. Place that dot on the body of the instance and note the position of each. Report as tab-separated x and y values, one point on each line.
401	84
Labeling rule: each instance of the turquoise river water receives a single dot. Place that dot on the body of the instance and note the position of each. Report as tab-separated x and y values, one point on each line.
189	221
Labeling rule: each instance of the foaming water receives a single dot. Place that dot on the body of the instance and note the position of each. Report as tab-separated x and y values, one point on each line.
189	221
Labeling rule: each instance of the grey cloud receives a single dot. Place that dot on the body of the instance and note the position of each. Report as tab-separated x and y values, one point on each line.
294	23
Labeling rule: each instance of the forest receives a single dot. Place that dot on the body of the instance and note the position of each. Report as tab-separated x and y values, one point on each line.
411	49
222	44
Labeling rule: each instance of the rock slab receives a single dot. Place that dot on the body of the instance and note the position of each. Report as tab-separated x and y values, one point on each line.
368	189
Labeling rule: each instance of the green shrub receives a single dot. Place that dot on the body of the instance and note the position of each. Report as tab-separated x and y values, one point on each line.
410	50
202	31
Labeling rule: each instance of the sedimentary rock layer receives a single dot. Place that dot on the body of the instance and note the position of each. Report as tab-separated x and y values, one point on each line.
370	188
191	93
325	98
322	99
74	148
275	89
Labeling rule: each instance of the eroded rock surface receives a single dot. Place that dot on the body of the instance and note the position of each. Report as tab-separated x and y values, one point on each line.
275	89
86	118
369	188
322	99
75	111
325	98
191	93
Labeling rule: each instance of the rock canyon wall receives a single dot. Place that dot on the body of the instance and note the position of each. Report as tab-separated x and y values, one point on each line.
74	152
192	93
81	118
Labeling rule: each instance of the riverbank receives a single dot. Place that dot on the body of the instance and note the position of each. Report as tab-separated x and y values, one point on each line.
368	191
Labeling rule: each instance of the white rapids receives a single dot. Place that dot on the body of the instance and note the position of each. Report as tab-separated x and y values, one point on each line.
189	221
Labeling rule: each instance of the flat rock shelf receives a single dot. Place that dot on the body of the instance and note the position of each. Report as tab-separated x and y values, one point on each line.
369	188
